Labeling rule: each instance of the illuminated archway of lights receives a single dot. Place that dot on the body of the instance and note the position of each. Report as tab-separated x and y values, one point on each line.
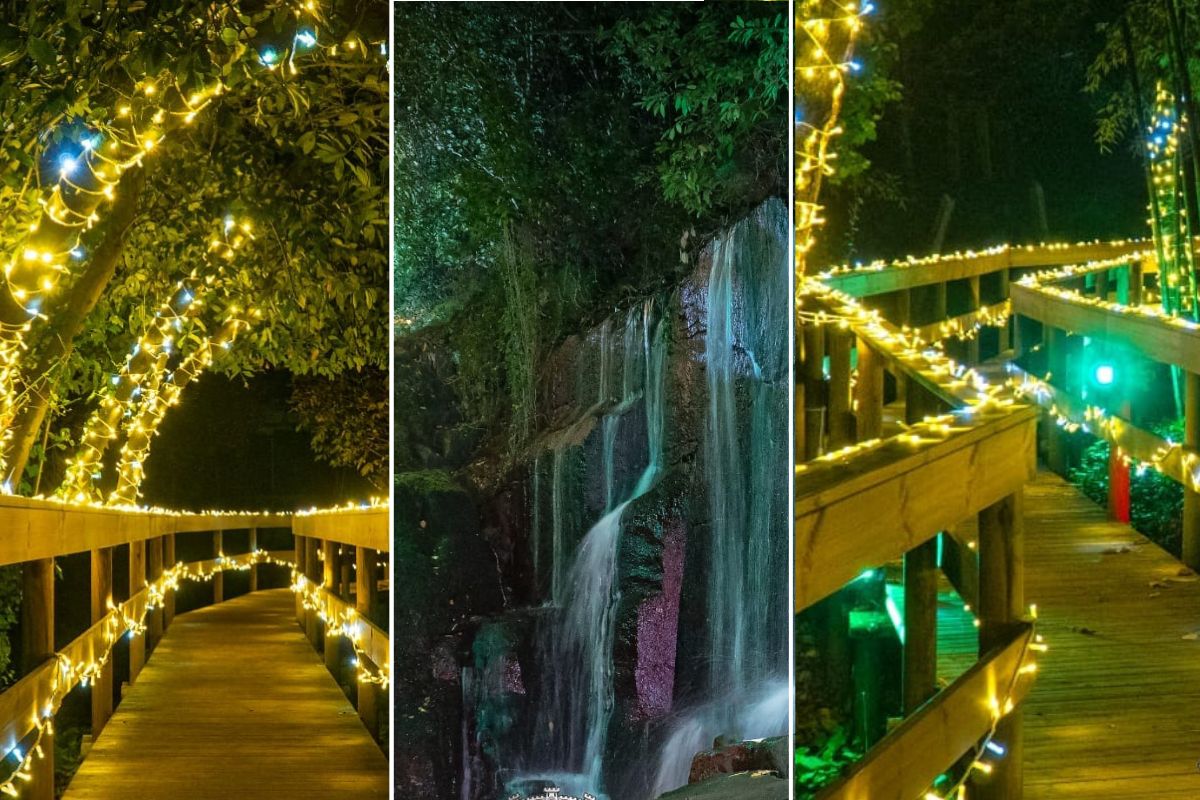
86	175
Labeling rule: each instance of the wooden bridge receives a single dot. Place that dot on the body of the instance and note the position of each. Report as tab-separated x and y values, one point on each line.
923	472
234	699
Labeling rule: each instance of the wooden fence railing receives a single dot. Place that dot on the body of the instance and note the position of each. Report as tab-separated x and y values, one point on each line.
872	491
38	531
1067	311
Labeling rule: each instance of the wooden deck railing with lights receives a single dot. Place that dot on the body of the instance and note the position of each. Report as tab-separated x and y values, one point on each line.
870	493
38	531
880	498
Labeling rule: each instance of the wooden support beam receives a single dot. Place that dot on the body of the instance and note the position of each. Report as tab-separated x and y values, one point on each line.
365	589
1191	500
920	625
330	572
253	544
168	544
102	686
137	582
960	563
37	647
154	618
218	580
868	392
1001	608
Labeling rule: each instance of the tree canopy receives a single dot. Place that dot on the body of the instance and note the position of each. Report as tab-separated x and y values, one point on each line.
266	117
555	159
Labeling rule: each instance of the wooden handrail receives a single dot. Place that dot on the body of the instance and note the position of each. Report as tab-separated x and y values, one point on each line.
1168	341
885	501
892	276
908	760
361	527
35	529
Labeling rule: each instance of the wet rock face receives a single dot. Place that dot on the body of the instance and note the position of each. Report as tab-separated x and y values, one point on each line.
767	755
445	574
742	786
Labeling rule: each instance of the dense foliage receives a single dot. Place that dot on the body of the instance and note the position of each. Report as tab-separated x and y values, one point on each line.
301	156
554	160
1156	501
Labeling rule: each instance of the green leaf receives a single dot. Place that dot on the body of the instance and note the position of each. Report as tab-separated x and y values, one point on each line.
41	51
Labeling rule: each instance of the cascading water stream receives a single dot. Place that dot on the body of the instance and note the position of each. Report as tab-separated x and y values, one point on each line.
572	717
746	358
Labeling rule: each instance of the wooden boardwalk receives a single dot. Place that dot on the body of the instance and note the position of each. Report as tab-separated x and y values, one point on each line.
1113	713
234	703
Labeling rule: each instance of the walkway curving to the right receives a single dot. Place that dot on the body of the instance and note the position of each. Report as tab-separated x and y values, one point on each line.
1113	712
234	703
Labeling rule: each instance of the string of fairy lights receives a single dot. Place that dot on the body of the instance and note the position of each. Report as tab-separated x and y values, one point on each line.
819	304
827	32
129	619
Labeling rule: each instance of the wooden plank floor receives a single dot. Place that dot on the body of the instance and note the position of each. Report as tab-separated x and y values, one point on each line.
234	703
1114	710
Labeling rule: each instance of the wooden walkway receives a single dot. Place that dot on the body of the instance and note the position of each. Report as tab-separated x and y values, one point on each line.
234	703
1113	713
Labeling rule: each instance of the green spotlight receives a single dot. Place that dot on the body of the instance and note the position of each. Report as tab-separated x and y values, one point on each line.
1104	374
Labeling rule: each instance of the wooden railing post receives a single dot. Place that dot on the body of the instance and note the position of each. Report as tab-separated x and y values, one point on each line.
365	589
298	543
102	687
1056	359
975	301
331	571
1191	500
920	591
1135	283
253	567
1006	337
346	563
364	598
37	645
137	581
840	433
868	391
154	617
1001	606
218	580
312	570
168	544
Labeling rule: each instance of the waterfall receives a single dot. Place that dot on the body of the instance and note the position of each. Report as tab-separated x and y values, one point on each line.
576	651
557	521
745	461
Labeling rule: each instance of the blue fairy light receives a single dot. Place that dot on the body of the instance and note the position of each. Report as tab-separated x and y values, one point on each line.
268	56
306	38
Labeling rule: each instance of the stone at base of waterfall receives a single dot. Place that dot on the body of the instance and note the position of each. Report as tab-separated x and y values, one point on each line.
762	785
760	755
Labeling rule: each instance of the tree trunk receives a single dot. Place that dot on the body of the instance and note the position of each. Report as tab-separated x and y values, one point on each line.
68	322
